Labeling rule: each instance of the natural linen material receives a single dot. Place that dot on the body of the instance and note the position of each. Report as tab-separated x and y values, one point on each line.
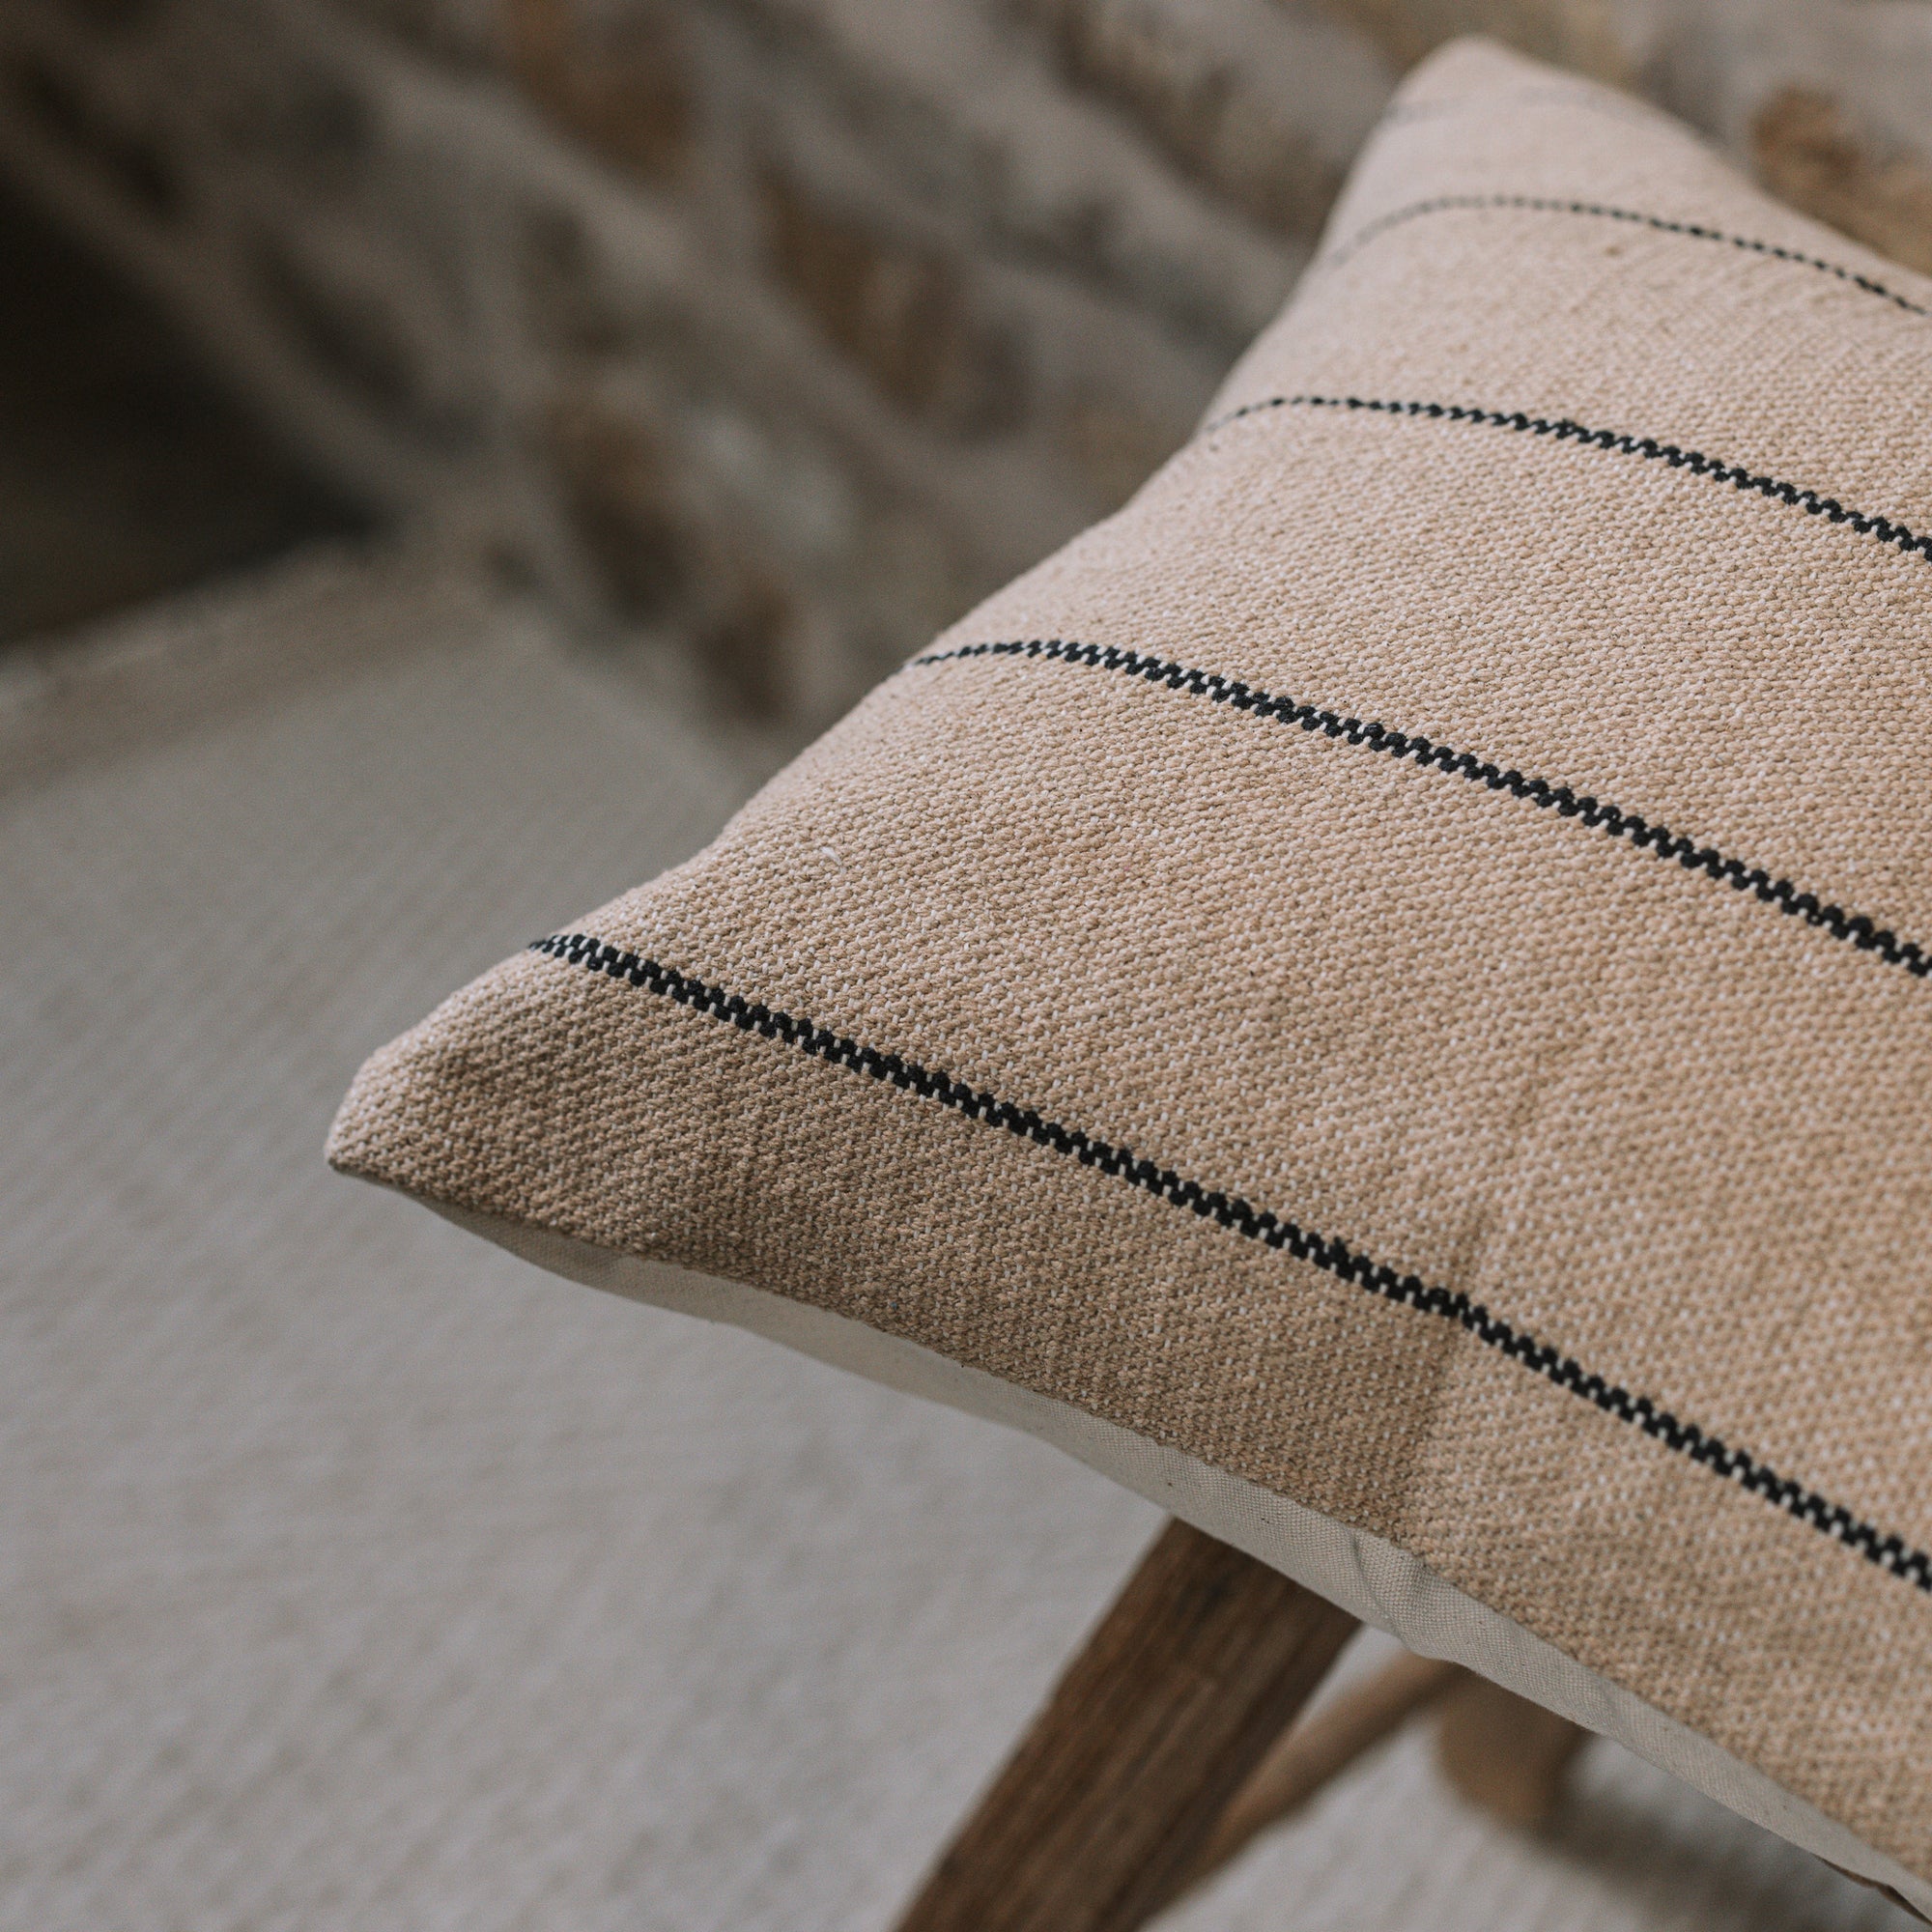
1391	969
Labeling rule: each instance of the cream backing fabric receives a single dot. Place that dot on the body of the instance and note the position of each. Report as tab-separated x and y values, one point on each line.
1390	970
1383	1585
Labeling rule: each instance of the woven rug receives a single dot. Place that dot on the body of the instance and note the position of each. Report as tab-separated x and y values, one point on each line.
355	1575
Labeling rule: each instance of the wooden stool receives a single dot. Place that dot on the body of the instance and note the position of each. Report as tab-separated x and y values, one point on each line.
1169	1742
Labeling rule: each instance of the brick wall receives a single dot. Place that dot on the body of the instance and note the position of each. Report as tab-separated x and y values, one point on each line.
767	334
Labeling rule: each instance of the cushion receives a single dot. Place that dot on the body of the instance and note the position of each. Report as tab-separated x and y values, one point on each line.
1381	994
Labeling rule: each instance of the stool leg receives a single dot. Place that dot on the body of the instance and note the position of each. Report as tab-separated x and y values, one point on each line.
1104	1810
1505	1755
1310	1756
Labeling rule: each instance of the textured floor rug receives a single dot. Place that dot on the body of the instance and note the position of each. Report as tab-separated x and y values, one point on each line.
354	1575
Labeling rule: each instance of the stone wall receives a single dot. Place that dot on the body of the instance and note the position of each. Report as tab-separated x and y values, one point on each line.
769	333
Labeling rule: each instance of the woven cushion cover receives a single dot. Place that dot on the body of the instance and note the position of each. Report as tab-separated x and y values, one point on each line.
1388	972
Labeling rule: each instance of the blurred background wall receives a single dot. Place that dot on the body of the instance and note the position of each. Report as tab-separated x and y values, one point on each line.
765	335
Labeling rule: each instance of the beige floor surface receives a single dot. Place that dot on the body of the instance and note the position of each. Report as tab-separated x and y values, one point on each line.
354	1575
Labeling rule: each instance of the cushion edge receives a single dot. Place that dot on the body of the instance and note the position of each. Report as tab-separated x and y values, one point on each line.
1371	1577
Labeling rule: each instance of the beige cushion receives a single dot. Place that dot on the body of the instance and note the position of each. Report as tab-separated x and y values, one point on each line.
1378	994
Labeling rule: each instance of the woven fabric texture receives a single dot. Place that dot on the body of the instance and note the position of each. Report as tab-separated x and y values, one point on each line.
1397	965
